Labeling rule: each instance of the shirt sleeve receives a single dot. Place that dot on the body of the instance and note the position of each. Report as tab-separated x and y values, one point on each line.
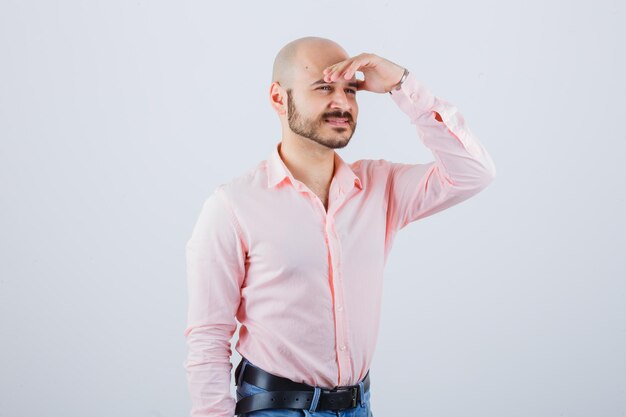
462	167
215	261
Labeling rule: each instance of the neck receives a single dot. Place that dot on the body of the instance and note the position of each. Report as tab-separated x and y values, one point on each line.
308	161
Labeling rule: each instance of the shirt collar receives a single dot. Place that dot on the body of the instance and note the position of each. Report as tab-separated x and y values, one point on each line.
277	171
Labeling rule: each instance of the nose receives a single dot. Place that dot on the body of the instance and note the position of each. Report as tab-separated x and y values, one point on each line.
340	100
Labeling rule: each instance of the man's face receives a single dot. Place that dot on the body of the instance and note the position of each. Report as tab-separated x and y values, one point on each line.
324	112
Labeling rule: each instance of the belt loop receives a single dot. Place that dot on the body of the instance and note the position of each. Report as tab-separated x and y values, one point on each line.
316	397
361	394
243	368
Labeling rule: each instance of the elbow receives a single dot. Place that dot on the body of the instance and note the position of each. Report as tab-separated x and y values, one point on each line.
472	184
483	183
490	172
484	173
479	177
486	177
489	175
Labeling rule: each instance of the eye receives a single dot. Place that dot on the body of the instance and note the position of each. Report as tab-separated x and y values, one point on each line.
350	90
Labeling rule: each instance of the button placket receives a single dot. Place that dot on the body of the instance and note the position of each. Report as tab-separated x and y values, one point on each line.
332	246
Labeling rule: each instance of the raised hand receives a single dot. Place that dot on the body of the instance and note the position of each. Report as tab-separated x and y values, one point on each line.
380	73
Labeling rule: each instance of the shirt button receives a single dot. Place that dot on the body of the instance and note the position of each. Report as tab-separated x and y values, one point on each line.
339	308
343	347
413	96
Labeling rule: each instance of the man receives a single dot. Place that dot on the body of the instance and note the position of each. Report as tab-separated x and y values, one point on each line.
295	248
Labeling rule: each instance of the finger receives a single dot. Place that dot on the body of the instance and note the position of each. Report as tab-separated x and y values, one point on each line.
362	64
352	69
340	68
328	71
331	67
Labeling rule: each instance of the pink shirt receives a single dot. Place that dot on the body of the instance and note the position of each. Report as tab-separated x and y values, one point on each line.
304	283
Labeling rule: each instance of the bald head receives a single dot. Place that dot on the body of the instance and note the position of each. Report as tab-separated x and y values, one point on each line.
308	54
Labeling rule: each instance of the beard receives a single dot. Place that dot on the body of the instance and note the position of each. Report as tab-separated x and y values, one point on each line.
313	129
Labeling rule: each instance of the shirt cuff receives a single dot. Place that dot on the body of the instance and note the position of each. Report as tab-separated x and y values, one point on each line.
413	98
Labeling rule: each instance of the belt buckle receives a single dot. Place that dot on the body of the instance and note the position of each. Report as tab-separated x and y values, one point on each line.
355	391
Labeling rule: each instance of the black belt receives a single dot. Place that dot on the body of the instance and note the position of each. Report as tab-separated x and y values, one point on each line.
285	393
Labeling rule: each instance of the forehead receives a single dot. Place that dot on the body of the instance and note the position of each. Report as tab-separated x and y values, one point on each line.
312	61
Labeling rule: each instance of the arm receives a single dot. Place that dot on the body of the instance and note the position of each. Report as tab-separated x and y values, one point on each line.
461	169
215	257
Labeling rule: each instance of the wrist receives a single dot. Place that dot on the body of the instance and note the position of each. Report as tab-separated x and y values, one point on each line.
399	84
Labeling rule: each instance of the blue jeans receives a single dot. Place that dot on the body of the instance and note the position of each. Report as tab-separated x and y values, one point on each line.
244	389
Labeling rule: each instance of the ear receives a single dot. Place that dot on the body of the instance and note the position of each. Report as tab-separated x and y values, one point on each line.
278	98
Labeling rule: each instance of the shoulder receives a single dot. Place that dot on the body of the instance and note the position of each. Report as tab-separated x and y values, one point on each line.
371	168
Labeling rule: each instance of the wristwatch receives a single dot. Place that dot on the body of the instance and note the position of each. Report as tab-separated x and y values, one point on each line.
397	86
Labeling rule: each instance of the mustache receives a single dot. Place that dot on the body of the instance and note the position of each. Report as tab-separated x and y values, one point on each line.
339	114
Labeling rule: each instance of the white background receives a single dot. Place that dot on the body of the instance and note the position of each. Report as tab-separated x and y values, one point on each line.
117	120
